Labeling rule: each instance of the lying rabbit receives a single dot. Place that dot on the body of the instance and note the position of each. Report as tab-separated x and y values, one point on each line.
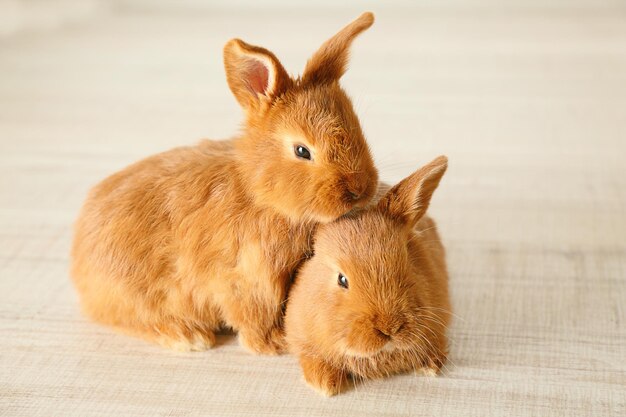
373	300
183	243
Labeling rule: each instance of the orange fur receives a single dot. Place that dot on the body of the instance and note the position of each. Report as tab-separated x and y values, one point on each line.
198	238
393	315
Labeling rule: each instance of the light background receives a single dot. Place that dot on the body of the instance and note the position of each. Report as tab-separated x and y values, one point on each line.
527	98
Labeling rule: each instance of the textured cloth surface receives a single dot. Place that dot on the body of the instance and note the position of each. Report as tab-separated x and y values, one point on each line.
529	103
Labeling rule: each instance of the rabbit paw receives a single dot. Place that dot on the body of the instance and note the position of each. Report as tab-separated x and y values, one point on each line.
272	343
322	377
188	341
432	366
427	371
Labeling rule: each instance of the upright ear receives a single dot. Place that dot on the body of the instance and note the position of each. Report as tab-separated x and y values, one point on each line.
254	74
329	63
408	200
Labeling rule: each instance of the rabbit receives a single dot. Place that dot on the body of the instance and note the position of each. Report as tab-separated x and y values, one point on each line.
373	298
202	238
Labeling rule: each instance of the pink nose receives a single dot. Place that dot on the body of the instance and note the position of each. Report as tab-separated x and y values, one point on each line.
353	195
355	187
388	327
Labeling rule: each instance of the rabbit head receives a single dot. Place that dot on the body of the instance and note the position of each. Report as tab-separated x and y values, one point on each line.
303	151
367	289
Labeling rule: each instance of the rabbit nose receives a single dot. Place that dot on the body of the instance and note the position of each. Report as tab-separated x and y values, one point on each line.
355	188
383	332
353	195
390	329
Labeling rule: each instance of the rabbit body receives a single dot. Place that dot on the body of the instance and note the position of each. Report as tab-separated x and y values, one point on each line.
155	255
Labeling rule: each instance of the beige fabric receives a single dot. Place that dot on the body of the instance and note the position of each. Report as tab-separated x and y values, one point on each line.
529	103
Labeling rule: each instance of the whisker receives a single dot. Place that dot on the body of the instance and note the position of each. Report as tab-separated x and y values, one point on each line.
445	311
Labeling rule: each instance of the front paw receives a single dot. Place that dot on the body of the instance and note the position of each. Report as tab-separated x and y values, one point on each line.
185	341
432	365
271	343
427	371
322	377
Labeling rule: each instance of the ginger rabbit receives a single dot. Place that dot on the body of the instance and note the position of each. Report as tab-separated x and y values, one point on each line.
198	238
373	300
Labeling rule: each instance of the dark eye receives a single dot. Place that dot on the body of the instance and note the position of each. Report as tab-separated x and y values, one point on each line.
342	281
302	152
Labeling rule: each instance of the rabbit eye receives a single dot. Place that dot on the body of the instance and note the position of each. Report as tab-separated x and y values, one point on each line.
342	281
302	152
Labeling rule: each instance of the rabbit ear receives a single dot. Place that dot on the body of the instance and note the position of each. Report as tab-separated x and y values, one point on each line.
409	199
254	74
330	61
